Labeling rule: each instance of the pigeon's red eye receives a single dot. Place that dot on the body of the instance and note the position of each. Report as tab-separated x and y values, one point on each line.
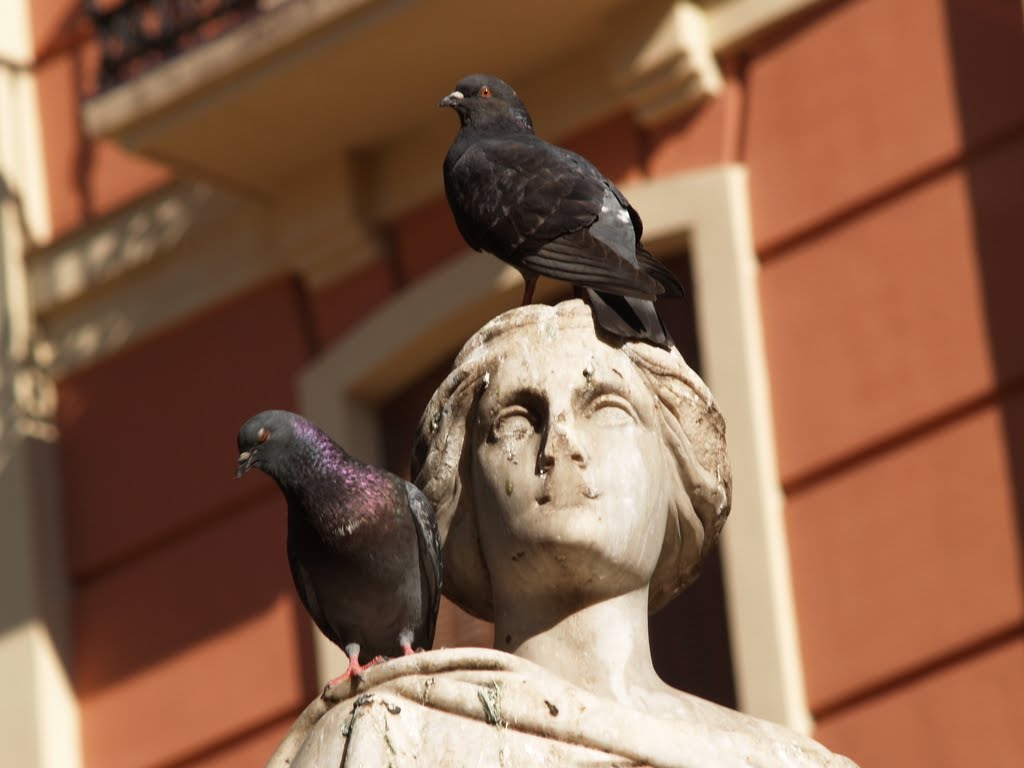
485	92
262	435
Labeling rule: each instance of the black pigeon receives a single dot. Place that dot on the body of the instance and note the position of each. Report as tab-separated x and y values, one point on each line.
362	542
548	211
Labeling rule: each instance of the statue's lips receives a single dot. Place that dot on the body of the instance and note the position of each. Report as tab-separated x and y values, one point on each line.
577	494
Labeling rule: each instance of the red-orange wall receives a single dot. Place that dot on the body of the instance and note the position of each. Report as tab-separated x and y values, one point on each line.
885	143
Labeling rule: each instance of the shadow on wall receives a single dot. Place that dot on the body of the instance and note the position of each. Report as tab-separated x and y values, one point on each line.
30	530
165	546
985	42
30	590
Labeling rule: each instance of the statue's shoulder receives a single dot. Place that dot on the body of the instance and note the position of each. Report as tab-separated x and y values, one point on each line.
474	706
765	742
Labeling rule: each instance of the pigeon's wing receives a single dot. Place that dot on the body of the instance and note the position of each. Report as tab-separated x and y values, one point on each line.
515	193
546	211
584	258
609	229
638	225
429	542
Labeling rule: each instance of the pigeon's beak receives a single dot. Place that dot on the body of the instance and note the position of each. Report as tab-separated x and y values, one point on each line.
453	99
245	460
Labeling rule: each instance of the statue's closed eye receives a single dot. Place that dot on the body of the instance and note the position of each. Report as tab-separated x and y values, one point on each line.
612	411
514	422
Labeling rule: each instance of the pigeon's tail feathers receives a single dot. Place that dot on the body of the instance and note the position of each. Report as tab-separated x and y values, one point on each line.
629	318
659	272
429	544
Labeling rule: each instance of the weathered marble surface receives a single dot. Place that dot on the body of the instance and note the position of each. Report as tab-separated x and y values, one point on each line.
579	482
479	707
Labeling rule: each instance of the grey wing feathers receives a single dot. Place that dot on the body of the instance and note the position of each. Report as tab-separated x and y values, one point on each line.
580	258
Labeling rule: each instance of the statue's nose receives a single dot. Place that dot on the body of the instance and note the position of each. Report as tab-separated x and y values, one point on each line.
561	441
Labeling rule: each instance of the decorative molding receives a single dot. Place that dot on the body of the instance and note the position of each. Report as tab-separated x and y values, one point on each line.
709	209
134	236
181	250
661	60
151	265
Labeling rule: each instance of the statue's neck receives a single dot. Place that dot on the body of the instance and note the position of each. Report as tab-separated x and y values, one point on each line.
603	647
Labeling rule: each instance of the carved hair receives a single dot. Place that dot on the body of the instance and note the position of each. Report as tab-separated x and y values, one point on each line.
690	423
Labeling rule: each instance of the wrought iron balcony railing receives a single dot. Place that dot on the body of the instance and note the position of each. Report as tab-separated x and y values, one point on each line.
135	35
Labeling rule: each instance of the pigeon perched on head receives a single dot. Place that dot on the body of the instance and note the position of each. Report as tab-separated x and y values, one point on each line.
548	211
362	543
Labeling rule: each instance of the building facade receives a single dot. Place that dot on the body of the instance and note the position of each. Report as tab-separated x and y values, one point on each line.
240	207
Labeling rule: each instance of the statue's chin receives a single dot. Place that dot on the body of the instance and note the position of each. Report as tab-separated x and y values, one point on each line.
573	565
579	544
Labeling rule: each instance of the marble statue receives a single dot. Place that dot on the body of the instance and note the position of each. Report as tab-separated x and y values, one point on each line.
578	482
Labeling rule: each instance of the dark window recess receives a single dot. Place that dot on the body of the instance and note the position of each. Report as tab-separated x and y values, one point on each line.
690	639
690	636
400	416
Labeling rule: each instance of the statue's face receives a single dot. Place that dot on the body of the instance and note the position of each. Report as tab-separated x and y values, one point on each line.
570	473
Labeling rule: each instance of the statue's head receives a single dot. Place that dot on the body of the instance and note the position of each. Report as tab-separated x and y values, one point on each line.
558	460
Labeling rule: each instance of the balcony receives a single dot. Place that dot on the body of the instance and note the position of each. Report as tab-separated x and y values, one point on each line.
254	94
136	35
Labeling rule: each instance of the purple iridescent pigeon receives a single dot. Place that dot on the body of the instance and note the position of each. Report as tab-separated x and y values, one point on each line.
362	543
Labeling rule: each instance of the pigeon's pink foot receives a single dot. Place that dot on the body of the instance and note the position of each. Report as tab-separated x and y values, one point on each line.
355	669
